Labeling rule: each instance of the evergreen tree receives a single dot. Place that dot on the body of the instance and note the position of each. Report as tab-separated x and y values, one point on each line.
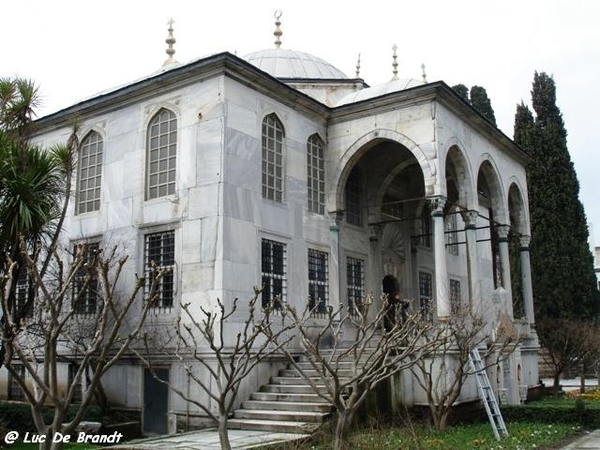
481	102
462	90
564	282
478	99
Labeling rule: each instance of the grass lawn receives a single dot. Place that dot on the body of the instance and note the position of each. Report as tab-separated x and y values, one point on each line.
523	436
22	446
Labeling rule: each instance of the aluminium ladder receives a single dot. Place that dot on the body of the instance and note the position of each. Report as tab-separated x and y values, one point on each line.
487	395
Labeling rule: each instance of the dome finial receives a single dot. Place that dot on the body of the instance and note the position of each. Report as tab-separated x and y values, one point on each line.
395	63
170	41
358	67
424	74
277	33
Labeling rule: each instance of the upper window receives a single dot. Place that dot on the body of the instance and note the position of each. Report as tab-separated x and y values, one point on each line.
353	204
159	248
315	179
89	174
272	158
85	282
318	281
162	155
273	269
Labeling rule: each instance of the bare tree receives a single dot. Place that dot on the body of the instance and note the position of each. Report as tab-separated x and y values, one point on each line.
58	329
443	373
202	345
570	344
351	353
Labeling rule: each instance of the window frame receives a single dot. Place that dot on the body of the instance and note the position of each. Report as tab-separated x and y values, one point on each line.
451	233
168	149
355	292
88	302
315	174
425	279
273	172
455	295
167	284
318	282
14	390
82	205
273	274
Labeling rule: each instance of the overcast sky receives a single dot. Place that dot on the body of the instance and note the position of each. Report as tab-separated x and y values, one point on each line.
74	49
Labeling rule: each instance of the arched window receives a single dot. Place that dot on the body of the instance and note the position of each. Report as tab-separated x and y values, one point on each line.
315	179
162	155
272	158
89	173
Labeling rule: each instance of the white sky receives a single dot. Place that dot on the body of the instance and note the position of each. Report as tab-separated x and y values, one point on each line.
74	49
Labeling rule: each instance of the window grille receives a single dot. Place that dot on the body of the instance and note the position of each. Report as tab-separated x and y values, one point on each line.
355	281
15	392
85	298
455	296
160	248
425	293
318	282
273	267
452	234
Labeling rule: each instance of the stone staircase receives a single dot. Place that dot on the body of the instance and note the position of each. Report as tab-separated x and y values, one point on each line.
287	404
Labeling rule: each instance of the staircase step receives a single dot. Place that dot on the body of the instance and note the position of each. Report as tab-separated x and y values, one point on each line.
283	397
280	416
290	388
287	406
272	425
311	373
293	380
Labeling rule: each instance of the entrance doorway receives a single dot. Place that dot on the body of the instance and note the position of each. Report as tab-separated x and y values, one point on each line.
391	289
156	400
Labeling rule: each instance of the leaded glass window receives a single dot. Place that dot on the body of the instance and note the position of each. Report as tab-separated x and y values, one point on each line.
315	175
89	174
162	155
272	158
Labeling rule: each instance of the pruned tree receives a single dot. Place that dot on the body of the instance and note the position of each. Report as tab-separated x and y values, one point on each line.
202	347
351	353
443	374
570	344
58	329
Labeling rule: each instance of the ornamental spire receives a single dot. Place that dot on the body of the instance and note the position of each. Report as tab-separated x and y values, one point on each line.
170	42
395	63
424	74
277	33
358	67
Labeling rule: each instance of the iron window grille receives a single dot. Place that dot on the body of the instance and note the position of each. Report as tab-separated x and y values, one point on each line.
455	296
452	234
318	282
160	249
425	293
85	298
15	392
273	269
355	282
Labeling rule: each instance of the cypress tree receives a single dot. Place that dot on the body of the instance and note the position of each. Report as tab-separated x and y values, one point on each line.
481	102
462	91
564	283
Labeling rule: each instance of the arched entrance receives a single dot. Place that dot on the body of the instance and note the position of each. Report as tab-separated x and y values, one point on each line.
391	290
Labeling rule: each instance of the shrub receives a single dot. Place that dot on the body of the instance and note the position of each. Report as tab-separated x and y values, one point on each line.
17	416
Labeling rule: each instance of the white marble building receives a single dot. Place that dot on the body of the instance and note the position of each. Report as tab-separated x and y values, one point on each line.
277	169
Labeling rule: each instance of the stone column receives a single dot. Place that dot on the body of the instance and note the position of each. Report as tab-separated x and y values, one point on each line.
335	269
442	294
470	219
526	279
503	231
375	267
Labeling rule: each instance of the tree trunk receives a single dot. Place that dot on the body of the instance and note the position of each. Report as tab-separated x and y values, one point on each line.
342	427
582	378
223	433
556	384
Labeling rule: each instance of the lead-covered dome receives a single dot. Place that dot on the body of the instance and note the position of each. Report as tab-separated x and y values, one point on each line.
284	63
394	85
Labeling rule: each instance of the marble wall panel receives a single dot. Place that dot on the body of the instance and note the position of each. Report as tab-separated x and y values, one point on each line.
191	237
204	201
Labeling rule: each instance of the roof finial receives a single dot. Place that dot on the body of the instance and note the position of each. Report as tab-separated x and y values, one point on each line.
424	74
170	41
277	33
358	67
395	63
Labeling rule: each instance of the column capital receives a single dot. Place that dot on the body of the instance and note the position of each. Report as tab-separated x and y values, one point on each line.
374	232
335	218
469	218
437	203
525	240
502	231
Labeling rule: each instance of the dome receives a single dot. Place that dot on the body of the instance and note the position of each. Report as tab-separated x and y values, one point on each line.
395	85
283	63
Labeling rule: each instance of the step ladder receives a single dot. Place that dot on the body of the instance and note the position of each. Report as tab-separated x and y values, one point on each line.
487	395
